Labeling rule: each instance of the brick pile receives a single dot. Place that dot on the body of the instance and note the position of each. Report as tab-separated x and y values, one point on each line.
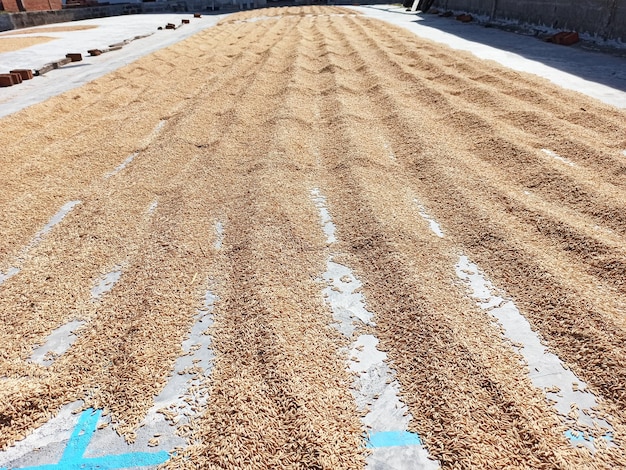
15	77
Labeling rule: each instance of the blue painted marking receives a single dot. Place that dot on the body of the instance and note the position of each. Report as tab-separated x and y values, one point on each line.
73	459
82	434
393	439
577	436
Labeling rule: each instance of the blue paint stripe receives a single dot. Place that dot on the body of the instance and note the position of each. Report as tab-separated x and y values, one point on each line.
81	436
73	459
108	462
136	459
393	439
576	436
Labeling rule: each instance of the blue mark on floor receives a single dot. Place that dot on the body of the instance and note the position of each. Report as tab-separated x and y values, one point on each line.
73	456
576	437
393	439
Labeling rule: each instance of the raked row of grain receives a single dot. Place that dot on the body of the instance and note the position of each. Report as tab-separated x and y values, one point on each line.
325	244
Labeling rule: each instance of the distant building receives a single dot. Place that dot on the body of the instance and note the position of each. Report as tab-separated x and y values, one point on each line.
30	5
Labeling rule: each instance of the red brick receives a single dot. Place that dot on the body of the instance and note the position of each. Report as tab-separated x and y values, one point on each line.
185	21
74	57
17	78
464	18
42	5
32	5
10	5
26	74
197	15
566	38
6	79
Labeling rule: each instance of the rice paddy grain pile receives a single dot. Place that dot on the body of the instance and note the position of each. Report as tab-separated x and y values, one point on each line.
271	104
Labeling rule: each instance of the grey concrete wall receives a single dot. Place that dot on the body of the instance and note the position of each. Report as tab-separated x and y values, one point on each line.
5	22
36	18
602	18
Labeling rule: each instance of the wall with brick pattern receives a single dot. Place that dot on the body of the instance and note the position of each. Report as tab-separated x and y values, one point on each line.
9	5
31	5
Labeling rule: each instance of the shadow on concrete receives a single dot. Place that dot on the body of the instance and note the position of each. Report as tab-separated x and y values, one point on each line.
596	66
76	65
606	67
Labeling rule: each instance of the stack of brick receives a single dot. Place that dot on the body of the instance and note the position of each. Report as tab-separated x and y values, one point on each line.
15	77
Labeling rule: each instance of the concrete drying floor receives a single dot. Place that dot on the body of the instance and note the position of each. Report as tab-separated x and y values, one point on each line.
108	31
303	237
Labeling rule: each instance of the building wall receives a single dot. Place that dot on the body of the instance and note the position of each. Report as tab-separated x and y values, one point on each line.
9	5
602	18
42	5
28	19
31	5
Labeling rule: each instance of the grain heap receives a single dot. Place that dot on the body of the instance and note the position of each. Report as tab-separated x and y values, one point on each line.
265	111
15	44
